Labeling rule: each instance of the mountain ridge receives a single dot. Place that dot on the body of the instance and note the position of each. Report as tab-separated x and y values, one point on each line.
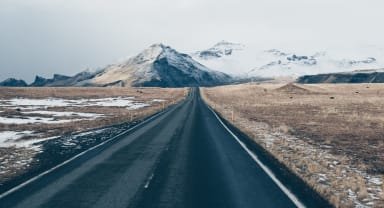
157	66
359	76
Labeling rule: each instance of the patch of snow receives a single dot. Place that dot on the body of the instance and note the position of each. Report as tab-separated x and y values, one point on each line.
13	139
66	113
373	196
158	100
326	146
28	104
137	106
27	120
376	181
25	108
352	195
89	133
50	102
335	162
34	104
8	137
110	102
322	178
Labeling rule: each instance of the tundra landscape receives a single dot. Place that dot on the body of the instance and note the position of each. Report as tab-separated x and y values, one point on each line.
39	127
331	135
191	104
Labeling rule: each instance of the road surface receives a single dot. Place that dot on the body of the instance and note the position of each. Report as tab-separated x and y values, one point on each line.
182	158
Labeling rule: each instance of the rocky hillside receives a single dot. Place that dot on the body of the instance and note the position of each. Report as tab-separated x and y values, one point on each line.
11	82
351	77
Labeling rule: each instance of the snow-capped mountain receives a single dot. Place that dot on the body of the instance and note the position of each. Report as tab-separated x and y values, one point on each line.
156	66
249	61
227	57
219	50
159	65
291	64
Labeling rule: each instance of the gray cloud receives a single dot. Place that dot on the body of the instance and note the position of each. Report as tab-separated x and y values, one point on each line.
66	36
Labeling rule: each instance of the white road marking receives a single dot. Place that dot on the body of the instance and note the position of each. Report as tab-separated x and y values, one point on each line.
149	181
290	195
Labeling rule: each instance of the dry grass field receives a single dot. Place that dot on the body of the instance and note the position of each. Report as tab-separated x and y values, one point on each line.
30	115
331	135
113	114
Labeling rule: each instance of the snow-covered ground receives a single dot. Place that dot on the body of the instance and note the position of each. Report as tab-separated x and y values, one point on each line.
7	138
59	102
34	119
35	110
65	113
14	139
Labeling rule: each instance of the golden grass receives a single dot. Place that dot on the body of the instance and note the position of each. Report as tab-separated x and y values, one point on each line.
333	129
114	114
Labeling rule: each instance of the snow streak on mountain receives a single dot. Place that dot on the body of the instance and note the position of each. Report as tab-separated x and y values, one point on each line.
239	59
162	66
223	63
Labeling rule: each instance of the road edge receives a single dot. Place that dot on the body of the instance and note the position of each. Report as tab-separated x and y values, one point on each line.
278	172
141	123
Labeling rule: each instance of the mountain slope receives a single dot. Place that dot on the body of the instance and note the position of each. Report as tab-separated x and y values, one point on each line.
62	80
159	66
227	57
11	82
279	63
350	77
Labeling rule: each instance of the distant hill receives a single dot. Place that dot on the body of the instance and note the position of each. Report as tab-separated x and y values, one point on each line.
62	80
11	82
350	77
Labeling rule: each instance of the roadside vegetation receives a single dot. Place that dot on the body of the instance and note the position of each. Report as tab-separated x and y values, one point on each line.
330	135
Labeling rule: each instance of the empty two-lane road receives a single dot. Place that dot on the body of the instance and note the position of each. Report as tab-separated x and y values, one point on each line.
182	158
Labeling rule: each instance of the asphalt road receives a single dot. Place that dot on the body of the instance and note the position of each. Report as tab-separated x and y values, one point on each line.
182	158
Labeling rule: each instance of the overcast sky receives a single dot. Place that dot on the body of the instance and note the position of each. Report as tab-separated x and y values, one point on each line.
67	36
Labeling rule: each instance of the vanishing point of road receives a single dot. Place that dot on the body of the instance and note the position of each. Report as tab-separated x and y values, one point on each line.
184	157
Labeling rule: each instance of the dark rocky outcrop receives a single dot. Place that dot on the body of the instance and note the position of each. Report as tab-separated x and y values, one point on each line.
11	82
353	77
